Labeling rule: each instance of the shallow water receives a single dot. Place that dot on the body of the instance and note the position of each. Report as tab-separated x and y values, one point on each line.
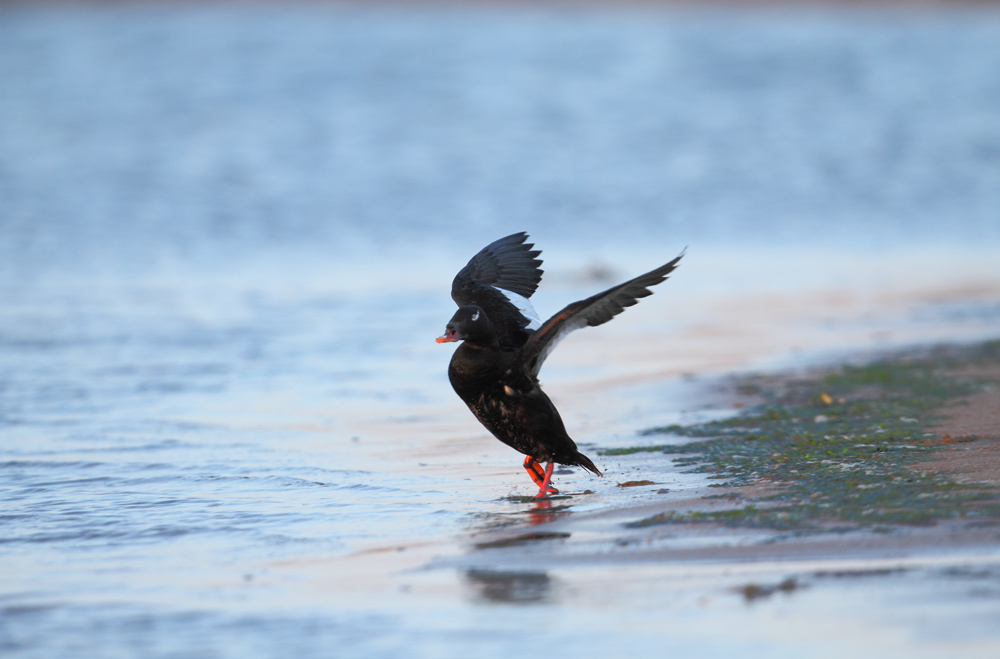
226	241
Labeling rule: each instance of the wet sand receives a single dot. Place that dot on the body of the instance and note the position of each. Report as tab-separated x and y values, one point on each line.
967	439
972	424
919	589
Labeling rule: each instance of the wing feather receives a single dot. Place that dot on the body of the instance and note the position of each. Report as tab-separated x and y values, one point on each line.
595	310
508	263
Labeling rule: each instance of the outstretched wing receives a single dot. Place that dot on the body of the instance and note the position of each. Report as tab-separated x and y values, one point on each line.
508	263
593	311
499	280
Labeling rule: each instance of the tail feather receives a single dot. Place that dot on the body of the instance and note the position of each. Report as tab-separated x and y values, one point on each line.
583	461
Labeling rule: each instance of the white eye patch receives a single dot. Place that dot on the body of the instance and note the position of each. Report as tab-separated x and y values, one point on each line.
475	316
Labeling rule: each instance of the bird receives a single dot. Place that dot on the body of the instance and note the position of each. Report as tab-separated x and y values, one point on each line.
503	345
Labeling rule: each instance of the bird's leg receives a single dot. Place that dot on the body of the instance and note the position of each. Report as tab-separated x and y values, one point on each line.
534	469
543	489
540	477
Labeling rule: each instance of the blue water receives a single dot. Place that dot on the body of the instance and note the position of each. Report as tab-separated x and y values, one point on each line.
227	237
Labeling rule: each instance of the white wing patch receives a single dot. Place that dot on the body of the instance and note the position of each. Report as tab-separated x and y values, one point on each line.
524	306
563	332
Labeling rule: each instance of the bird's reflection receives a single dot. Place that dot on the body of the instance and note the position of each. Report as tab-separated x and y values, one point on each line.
535	513
543	512
510	587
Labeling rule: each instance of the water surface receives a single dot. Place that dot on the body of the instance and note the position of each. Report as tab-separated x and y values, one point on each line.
227	237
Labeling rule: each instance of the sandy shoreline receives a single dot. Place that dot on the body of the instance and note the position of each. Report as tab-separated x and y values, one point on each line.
915	590
553	536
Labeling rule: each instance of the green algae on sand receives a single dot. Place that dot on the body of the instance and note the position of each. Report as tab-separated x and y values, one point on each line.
843	449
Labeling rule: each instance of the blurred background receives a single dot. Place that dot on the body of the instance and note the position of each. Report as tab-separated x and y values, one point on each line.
228	232
136	138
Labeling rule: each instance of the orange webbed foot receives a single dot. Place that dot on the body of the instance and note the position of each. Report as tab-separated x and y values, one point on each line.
541	478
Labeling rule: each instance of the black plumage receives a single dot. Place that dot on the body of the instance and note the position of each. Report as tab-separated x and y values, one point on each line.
495	370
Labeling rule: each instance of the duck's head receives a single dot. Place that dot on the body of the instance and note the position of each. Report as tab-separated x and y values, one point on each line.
469	324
